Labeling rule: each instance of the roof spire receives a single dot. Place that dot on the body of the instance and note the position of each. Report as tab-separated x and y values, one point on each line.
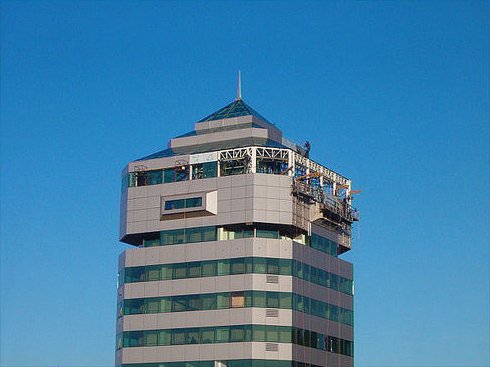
239	89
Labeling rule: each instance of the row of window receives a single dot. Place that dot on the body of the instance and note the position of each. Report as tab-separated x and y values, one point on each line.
183	203
226	300
240	265
173	174
230	363
235	334
210	233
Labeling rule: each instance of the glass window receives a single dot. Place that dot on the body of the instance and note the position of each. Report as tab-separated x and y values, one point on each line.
272	299
180	271
152	305
192	336
155	177
223	267
193	235
174	204
178	336
267	233
172	237
165	304
194	269
223	300
207	335
285	300
259	299
271	333
237	266
194	303
179	304
285	267
260	265
166	272
258	332
193	202
153	273
272	266
208	269
181	173
204	170
151	338
168	175
208	234
237	334
208	301
164	337
222	334
284	334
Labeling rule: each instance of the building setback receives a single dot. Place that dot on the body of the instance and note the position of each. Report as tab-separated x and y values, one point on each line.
237	236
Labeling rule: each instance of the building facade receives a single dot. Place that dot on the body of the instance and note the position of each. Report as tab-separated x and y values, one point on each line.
237	235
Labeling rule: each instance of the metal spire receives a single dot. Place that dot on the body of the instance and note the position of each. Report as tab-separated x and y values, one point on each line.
239	89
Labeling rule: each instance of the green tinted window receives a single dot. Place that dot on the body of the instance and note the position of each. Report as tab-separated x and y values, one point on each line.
193	202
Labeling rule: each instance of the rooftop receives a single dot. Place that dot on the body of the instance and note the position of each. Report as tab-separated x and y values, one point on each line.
235	109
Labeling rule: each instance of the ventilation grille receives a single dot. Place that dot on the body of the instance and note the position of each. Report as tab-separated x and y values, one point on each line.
271	313
271	347
272	279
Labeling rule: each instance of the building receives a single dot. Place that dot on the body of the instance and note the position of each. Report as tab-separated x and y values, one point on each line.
237	235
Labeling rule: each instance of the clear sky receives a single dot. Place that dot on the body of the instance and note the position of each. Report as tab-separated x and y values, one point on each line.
393	95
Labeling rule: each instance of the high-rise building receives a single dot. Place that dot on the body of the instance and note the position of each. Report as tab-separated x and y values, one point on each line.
237	235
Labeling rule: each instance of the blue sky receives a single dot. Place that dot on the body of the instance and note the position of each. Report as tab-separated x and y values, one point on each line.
393	95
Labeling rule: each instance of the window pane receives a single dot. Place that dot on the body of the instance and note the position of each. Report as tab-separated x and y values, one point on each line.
208	301
193	202
271	333
207	335
210	169
193	235
151	338
194	269
208	234
166	272
178	337
258	332
164	337
273	299
223	267
174	204
222	334
194	303
284	334
259	299
237	334
223	300
285	300
208	268
272	266
260	265
155	177
179	304
237	266
180	271
165	304
153	273
285	267
152	305
168	175
266	233
192	336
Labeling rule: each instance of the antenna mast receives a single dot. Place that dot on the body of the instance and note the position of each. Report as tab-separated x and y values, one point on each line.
239	89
